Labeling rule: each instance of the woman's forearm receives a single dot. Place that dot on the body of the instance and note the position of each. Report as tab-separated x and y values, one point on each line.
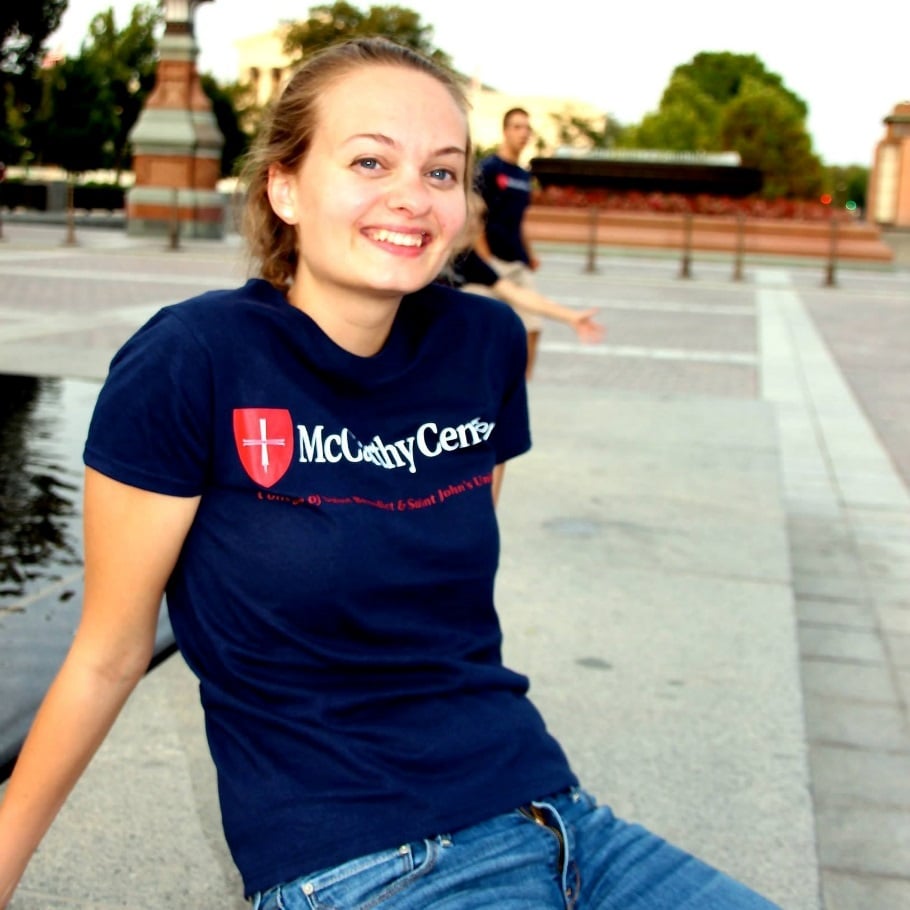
132	540
75	716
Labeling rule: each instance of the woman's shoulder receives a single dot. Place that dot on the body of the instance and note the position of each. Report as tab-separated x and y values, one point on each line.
203	323
479	310
227	303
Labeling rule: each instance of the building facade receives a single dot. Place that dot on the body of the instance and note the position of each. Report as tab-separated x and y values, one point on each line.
266	68
889	182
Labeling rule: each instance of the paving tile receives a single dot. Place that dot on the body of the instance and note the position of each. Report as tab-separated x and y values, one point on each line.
862	682
889	593
829	585
843	891
898	645
903	685
827	641
863	840
887	560
894	619
849	776
838	721
836	613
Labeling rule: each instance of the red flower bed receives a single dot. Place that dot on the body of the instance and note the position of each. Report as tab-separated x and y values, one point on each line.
754	206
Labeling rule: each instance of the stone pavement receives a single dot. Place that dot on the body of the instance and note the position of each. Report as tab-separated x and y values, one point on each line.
704	570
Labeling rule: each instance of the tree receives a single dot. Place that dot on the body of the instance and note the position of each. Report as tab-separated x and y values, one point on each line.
847	184
729	102
91	102
231	105
25	26
127	58
685	122
768	130
721	76
330	24
77	125
581	132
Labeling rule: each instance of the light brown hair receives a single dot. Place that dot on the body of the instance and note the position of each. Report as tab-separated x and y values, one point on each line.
287	134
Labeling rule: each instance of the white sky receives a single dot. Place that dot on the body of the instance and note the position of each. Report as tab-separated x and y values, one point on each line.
849	63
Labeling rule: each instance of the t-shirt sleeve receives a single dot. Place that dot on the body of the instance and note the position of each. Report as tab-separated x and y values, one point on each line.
512	434
475	271
151	427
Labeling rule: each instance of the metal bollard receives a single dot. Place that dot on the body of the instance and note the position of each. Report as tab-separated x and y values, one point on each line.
740	247
591	265
830	280
70	213
174	226
685	270
2	178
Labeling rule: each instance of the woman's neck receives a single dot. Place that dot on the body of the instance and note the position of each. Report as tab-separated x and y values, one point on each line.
358	324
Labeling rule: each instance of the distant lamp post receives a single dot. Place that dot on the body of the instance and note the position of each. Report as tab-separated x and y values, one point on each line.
70	239
2	178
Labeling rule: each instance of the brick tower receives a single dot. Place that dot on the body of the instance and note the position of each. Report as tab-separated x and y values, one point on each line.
889	183
176	141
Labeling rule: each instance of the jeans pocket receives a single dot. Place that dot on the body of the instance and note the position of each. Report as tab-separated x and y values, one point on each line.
362	883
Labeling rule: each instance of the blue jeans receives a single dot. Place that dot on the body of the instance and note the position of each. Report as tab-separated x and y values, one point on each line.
563	852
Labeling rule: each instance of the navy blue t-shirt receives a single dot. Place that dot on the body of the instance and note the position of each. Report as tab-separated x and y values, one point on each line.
335	592
506	189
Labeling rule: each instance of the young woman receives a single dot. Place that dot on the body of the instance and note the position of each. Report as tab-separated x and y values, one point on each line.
308	466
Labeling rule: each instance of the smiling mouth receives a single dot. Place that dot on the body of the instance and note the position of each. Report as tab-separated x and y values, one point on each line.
399	239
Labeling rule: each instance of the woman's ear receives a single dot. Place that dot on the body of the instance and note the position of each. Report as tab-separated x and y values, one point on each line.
282	197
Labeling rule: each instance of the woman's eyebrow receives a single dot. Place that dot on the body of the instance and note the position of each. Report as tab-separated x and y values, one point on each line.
383	139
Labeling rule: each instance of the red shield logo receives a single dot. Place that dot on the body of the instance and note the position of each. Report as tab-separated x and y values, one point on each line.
265	442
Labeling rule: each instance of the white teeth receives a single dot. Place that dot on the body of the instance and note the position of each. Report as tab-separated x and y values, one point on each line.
398	239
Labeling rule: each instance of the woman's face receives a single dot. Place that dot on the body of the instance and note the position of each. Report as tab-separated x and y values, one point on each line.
379	200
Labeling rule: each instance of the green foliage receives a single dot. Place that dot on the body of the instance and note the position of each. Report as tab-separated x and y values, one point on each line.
580	132
231	105
767	129
127	58
729	102
847	184
686	122
721	76
91	102
25	26
77	125
328	24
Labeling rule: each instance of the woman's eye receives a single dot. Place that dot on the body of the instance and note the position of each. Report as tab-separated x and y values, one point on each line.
368	164
442	173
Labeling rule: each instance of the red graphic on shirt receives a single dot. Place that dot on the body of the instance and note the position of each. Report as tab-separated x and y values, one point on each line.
502	181
264	442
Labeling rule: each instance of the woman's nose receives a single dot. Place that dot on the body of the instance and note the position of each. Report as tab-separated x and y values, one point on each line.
409	193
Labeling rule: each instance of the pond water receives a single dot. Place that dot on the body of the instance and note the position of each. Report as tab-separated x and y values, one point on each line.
43	425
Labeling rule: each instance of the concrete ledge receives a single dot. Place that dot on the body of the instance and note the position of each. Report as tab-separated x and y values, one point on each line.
855	240
645	589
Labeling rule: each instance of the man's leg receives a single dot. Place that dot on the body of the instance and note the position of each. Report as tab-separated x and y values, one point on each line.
520	274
